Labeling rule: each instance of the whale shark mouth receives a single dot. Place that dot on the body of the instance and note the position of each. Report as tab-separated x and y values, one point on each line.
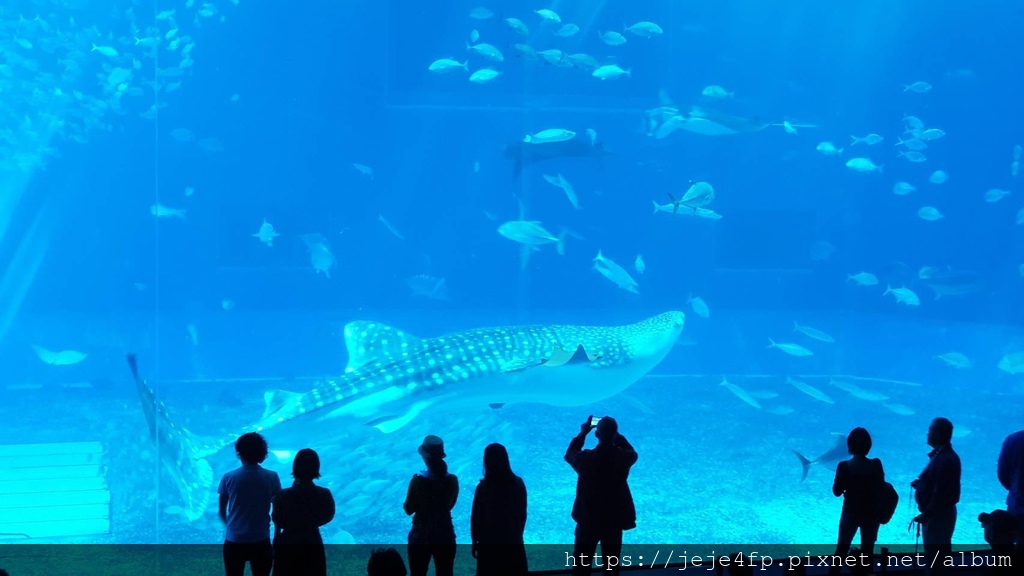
393	377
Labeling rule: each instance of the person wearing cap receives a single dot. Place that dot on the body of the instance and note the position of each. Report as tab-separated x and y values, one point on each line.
604	504
431	496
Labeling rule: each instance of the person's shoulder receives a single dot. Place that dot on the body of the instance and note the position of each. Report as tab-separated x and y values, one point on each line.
1016	439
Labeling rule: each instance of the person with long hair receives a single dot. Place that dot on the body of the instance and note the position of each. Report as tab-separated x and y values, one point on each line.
298	514
499	517
431	496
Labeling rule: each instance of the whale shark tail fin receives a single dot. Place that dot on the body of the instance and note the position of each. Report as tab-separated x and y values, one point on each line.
181	453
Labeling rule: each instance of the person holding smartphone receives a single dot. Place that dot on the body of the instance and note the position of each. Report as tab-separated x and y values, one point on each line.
604	507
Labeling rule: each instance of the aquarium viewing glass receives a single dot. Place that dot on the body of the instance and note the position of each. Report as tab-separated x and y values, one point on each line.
352	224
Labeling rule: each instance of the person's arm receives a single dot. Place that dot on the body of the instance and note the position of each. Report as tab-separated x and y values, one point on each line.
325	513
276	511
942	496
476	516
411	505
839	484
574	454
222	489
455	491
522	507
1004	468
224	508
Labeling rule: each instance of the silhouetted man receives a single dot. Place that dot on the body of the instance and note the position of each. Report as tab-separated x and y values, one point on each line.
604	505
938	491
1011	476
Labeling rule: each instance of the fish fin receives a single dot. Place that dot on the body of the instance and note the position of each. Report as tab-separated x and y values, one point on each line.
560	246
772	343
179	450
389	424
367	342
796	326
655	202
805	464
496	405
276	400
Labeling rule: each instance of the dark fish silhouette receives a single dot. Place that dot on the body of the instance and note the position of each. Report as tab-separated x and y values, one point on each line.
524	154
837	452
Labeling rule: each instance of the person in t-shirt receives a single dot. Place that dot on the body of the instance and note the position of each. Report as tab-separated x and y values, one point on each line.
858	480
245	497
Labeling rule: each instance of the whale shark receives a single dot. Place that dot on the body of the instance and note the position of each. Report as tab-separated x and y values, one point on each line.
393	376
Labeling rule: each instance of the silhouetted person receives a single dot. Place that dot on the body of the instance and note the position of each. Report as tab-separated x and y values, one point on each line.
604	505
1011	476
4	572
245	497
432	495
937	494
859	481
385	562
499	517
298	514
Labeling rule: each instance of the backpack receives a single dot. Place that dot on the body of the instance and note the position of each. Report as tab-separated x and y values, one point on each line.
885	503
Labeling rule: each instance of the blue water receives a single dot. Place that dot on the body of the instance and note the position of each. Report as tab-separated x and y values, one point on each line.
295	97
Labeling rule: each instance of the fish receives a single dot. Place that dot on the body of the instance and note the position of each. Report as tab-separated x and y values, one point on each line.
525	154
810	391
392	377
617	274
1012	363
812	332
858	392
789	348
740	393
863	278
903	295
956	360
838	451
699	306
428	287
714	123
161	211
62	358
266	233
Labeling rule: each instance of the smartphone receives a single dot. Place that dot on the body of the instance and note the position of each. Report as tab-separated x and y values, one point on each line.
594	420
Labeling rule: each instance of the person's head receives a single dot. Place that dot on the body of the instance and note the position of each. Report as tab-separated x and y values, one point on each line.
306	466
858	442
251	448
496	462
940	432
607	429
385	562
4	572
432	451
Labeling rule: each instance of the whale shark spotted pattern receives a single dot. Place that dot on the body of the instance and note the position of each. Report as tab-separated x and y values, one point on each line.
393	376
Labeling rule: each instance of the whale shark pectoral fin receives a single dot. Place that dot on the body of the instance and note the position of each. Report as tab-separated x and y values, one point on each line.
276	400
389	424
560	357
368	342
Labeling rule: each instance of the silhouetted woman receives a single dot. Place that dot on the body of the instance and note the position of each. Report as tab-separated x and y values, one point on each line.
499	518
431	497
299	512
859	481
